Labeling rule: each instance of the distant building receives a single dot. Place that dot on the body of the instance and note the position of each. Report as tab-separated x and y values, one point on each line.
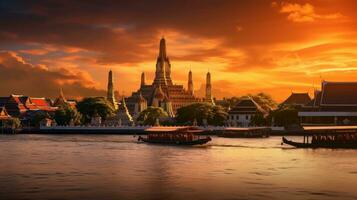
122	117
47	122
335	104
110	91
208	97
162	92
297	99
3	114
61	101
20	105
242	113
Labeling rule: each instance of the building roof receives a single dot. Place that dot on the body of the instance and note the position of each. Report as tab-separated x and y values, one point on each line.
297	99
41	104
3	114
339	94
246	106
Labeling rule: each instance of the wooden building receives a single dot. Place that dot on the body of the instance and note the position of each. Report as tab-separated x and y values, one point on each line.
335	104
242	113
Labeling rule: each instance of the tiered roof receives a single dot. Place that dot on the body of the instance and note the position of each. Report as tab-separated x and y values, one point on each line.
335	96
17	105
297	99
247	106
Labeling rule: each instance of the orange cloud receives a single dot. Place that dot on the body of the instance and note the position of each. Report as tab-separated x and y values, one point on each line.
20	77
303	12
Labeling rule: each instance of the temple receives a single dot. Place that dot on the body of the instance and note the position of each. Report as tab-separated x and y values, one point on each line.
208	96
335	104
162	92
110	91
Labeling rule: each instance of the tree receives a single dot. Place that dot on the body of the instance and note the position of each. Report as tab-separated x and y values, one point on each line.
91	105
264	100
150	115
13	123
65	114
285	116
37	117
258	119
215	115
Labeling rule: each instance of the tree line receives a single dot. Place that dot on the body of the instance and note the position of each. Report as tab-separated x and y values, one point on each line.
197	113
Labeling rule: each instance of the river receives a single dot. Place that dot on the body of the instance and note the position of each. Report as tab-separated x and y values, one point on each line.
117	167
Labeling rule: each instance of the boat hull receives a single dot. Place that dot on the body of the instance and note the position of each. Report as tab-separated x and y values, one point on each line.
319	145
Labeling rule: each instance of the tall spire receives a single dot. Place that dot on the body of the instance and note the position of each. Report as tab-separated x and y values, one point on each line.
208	97
163	66
62	95
110	90
162	52
142	78
61	100
190	83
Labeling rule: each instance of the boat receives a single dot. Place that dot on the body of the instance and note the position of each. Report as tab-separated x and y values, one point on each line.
337	137
250	132
326	144
175	136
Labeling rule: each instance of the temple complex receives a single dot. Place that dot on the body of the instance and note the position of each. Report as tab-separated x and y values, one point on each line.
162	92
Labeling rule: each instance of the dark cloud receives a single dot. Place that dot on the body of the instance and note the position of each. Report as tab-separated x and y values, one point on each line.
19	77
125	31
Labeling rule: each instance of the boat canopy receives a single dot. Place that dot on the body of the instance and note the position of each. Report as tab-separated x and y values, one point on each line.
330	129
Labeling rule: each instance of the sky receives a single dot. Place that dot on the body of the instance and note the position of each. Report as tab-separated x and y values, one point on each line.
276	47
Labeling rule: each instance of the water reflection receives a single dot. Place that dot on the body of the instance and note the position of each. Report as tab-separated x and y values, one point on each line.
117	167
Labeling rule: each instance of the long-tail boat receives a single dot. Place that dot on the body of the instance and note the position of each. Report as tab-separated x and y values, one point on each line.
342	137
175	136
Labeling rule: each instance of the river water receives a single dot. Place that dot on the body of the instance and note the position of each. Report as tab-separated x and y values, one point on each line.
117	167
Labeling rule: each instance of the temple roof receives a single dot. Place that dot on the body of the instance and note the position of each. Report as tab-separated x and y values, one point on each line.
339	93
3	114
246	106
297	99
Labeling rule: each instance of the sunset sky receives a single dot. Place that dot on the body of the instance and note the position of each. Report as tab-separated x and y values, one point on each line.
250	46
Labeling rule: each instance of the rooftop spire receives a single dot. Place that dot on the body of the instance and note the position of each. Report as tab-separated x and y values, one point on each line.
62	95
163	66
162	53
110	90
190	83
142	78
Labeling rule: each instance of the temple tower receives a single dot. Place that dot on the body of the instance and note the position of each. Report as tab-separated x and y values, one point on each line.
190	83
142	79
163	66
61	101
208	97
110	91
123	114
140	105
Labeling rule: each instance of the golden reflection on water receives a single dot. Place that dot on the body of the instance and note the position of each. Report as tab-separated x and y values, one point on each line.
109	166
